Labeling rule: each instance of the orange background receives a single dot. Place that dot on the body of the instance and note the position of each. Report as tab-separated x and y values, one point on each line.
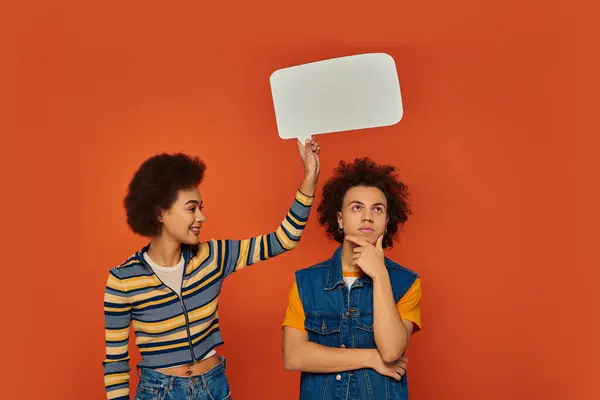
498	146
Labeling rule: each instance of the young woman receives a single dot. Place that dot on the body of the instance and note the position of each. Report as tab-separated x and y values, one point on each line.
349	318
169	289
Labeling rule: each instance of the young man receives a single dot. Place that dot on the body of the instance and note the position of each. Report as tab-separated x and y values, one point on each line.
349	318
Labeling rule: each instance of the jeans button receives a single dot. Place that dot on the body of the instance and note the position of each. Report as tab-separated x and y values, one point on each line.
338	377
343	346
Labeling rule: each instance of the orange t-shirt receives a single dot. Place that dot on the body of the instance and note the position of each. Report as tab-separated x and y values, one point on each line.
409	306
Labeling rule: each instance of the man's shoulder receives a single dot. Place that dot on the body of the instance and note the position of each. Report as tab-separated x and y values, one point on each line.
397	269
402	278
315	268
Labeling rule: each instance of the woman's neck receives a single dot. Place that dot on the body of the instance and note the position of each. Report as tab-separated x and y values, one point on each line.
165	251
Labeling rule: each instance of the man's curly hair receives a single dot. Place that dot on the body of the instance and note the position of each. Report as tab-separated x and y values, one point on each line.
364	172
154	187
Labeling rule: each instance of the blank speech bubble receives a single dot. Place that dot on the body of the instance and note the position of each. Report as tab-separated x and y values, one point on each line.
335	95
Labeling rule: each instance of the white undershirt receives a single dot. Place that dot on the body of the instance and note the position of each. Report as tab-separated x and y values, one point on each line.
170	276
173	278
350	280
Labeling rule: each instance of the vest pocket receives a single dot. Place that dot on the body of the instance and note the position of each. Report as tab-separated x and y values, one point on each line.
323	324
323	329
364	332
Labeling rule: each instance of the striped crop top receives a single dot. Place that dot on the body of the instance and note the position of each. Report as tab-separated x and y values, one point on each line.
171	330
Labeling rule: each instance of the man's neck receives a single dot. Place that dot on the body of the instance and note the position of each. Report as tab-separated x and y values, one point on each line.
348	258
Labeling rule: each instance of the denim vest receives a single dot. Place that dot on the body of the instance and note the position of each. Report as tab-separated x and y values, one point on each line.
339	317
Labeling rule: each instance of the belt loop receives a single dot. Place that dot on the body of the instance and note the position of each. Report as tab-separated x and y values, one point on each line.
171	383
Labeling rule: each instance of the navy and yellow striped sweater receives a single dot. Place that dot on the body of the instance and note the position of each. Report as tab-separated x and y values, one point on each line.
172	330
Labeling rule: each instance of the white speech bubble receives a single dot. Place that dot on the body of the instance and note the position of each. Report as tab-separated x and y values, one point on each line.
335	95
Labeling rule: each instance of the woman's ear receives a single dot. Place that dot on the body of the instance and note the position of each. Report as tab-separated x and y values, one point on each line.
160	215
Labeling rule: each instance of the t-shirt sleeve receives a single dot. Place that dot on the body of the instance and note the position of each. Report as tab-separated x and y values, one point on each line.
409	306
294	314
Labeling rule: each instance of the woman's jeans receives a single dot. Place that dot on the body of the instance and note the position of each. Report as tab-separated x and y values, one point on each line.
212	385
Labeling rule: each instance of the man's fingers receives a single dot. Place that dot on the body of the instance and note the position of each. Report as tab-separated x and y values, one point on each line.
393	374
357	240
379	243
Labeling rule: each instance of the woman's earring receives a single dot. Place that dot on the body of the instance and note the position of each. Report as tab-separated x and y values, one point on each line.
340	229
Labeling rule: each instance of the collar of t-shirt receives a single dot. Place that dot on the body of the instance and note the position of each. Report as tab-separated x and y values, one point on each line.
351	277
170	276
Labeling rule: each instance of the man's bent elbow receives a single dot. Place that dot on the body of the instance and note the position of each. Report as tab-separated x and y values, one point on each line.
290	358
290	363
293	346
391	355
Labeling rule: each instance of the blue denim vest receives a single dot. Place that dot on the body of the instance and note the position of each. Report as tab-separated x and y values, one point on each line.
339	317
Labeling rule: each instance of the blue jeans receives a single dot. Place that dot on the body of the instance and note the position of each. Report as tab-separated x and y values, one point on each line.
211	385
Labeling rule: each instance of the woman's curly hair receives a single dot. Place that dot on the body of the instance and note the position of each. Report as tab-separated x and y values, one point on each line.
364	172
154	187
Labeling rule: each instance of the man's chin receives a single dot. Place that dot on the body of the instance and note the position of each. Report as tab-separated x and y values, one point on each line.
369	236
